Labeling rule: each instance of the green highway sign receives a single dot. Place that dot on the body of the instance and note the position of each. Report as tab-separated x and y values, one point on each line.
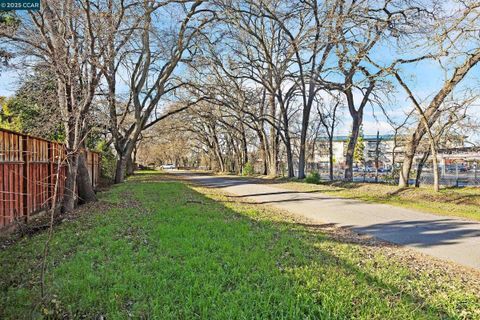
19	5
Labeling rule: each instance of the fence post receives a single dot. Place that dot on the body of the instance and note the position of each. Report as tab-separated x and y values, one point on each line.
456	173
475	171
93	169
49	173
25	177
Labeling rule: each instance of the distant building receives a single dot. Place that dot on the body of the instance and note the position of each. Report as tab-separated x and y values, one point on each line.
373	148
468	157
455	153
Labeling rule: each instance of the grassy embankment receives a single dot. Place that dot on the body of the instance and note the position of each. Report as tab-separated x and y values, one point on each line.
166	250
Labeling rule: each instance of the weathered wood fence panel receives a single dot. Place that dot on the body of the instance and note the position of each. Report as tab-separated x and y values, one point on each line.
27	174
93	164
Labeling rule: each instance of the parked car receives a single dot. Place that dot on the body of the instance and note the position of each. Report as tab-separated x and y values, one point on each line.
167	167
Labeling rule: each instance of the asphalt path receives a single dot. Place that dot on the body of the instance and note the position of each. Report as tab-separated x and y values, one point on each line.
443	237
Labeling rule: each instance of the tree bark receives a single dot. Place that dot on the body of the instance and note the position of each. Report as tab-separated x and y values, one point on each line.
420	166
219	159
436	173
84	183
130	166
356	123
69	197
410	149
288	148
244	147
303	142
357	119
121	169
273	165
263	151
377	155
330	157
288	143
124	153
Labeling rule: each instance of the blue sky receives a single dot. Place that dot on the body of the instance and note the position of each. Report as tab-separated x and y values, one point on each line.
425	79
8	82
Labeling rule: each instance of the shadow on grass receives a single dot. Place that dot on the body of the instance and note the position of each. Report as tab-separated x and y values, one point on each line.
179	254
420	230
306	237
417	232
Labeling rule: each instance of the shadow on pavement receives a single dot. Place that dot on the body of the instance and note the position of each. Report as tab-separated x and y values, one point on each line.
423	233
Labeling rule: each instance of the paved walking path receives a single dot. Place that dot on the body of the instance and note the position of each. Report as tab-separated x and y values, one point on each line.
440	236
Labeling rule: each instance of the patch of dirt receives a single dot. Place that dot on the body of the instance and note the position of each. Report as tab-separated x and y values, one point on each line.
40	222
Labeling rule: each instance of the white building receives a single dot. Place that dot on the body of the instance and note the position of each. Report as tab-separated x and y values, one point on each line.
456	152
381	148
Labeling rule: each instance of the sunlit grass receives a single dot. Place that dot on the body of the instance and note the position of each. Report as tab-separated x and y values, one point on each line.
162	250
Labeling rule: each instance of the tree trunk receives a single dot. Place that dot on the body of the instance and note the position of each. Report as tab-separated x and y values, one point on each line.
301	157
244	147
420	165
121	169
220	161
263	152
273	139
377	156
436	173
124	154
237	157
69	197
410	149
330	157
303	141
130	166
263	149
131	162
84	183
356	123
288	148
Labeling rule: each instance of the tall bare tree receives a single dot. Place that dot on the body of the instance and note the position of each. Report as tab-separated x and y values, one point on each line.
64	35
457	36
362	27
162	45
263	56
328	112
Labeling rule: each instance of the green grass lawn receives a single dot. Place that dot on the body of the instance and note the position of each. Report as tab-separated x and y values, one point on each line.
165	250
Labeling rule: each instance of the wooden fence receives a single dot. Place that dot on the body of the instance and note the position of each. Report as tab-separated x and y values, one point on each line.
27	174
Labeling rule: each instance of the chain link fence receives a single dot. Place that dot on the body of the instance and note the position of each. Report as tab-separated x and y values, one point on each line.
450	176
